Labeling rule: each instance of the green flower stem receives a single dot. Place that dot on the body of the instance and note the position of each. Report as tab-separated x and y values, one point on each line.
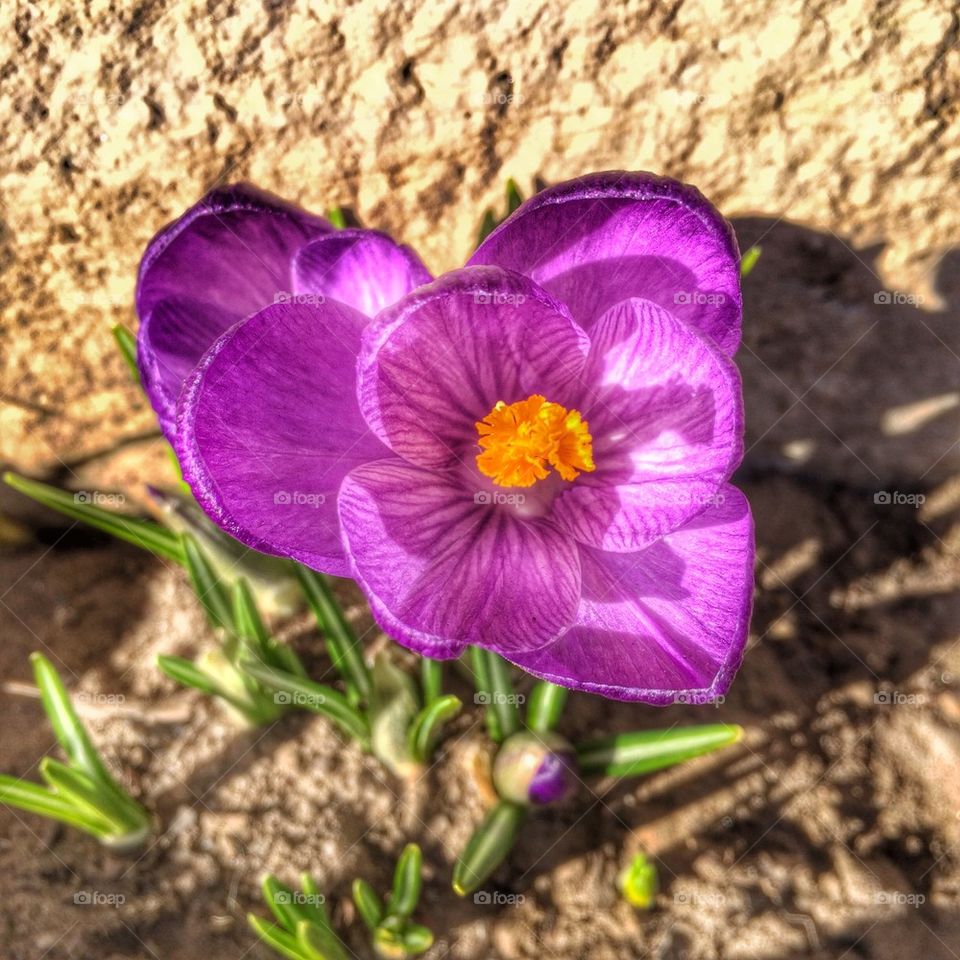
142	533
342	645
431	679
631	754
488	847
495	689
547	701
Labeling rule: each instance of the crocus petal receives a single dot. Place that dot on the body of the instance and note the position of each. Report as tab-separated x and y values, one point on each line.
363	268
667	624
269	425
439	360
225	258
442	568
602	238
665	412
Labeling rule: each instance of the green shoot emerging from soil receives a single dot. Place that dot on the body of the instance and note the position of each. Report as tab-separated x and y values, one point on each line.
302	930
81	792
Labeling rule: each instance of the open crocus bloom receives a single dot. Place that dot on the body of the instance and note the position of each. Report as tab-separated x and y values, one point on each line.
530	454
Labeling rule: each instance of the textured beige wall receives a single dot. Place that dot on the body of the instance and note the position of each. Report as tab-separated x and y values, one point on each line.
840	116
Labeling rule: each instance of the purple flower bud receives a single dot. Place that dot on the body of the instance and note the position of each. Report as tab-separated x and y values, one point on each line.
535	768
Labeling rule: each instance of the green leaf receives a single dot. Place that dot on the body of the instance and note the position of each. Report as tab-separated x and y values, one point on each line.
487	225
277	938
514	197
64	720
369	905
547	701
431	679
121	814
416	938
749	260
142	533
631	754
250	627
342	645
308	695
128	347
495	691
209	589
406	882
185	672
428	724
336	218
488	847
37	799
280	899
319	943
639	883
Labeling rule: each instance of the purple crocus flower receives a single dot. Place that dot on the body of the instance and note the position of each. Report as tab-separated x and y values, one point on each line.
530	454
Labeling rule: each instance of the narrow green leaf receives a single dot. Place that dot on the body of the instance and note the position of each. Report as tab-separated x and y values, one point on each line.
314	906
246	616
406	882
487	226
337	219
210	591
631	754
416	938
428	725
277	938
514	197
37	799
319	943
186	673
64	720
749	260
342	645
128	347
547	701
431	679
281	901
369	905
142	533
488	847
298	692
121	813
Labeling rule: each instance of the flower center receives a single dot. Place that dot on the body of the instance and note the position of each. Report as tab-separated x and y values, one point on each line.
519	440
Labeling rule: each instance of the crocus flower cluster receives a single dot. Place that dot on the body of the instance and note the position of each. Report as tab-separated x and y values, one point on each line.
530	454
